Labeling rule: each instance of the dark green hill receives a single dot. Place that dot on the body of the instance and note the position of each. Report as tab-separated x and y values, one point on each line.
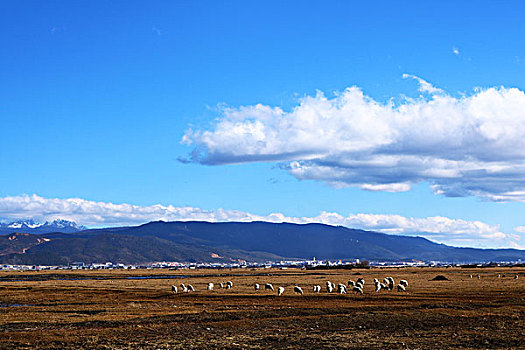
225	242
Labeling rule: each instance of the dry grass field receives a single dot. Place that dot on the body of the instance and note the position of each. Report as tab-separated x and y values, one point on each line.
120	310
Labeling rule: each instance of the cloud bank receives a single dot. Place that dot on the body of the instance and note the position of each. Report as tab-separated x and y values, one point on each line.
462	146
90	213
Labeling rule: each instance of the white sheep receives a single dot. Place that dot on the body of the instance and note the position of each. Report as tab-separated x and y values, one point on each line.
357	290
229	284
361	280
317	288
221	285
174	289
280	290
479	277
183	288
256	286
298	289
378	286
341	288
329	288
210	286
516	277
268	286
404	283
351	283
390	283
190	288
401	288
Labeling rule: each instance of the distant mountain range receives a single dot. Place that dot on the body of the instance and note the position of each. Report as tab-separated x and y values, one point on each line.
30	226
230	241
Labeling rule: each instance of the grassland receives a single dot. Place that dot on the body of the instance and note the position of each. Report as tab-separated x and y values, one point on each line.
123	310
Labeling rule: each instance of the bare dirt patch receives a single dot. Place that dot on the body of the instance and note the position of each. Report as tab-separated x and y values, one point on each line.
136	309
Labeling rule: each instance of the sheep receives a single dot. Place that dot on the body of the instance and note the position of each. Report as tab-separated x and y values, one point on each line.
383	286
390	283
229	284
357	290
361	280
210	286
183	288
341	288
401	288
378	286
190	288
360	285
317	288
280	290
470	276
256	286
333	286
351	283
174	289
329	288
404	283
516	277
479	277
268	286
298	289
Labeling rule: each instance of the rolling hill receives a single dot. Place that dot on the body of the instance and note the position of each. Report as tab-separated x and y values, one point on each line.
229	241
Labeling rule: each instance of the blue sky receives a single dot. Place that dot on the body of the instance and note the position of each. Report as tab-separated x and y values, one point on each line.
96	97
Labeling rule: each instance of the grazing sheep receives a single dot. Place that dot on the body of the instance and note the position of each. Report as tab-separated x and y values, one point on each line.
221	284
317	288
499	275
341	288
470	276
351	283
280	290
229	284
190	288
183	288
174	289
329	288
401	288
516	277
298	289
404	283
269	286
479	277
210	286
333	286
357	290
256	286
361	280
390	283
378	286
383	286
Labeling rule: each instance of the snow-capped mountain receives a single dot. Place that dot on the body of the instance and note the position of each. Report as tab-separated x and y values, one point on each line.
30	226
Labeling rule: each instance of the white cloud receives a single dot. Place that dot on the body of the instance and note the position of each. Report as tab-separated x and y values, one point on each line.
424	86
462	146
520	229
455	51
439	229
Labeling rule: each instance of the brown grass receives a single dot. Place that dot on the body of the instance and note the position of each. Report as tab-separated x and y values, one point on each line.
106	310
